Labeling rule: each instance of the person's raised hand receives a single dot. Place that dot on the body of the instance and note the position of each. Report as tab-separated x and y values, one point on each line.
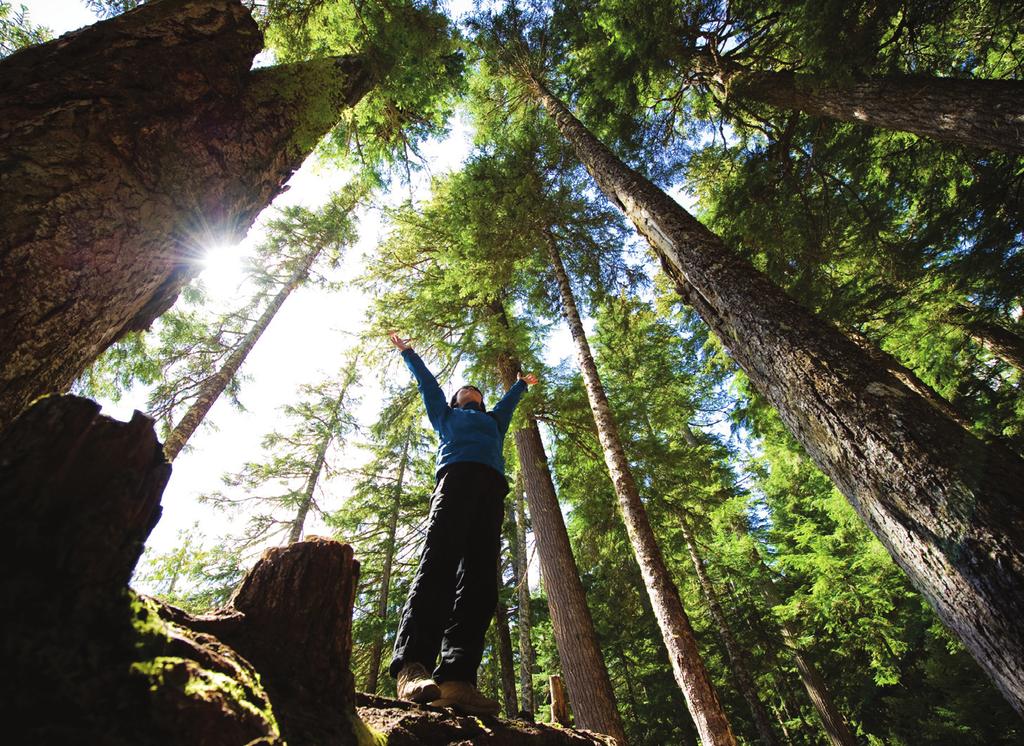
530	378
398	342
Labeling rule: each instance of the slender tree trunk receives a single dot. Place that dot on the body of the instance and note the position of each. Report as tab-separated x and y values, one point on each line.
377	648
128	148
590	691
997	339
214	386
318	465
689	670
836	729
946	505
737	656
986	114
522	571
503	642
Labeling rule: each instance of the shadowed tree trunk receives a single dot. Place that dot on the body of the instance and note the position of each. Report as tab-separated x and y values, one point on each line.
945	504
521	566
128	148
996	338
377	648
503	639
590	691
986	114
690	673
215	385
737	656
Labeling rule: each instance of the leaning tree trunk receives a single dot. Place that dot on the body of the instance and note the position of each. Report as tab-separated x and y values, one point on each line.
521	564
299	522
832	721
737	656
946	505
986	114
590	690
507	665
129	147
687	666
214	386
999	341
377	648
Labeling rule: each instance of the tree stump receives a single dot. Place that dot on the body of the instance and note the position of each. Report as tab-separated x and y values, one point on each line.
87	661
559	708
292	619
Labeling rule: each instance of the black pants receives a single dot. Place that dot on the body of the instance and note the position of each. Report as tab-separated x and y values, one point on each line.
455	591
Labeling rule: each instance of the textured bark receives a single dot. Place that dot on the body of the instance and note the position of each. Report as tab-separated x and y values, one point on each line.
292	619
986	114
406	724
128	147
737	656
590	690
215	385
559	708
687	666
381	610
521	563
946	505
505	658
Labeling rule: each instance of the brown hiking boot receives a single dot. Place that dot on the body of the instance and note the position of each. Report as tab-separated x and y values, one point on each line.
415	684
465	698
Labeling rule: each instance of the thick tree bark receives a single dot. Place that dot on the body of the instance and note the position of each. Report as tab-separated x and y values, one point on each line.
128	148
986	114
377	648
590	690
526	655
687	666
737	656
503	638
214	386
946	505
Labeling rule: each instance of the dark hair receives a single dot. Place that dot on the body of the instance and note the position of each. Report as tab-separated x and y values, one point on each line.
455	397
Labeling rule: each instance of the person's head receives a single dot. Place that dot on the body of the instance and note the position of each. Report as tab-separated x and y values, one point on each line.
470	395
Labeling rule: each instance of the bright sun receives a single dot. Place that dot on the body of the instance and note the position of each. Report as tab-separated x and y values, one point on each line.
222	270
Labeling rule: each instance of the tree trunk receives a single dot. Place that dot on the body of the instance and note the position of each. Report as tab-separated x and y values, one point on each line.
214	386
985	114
946	505
559	709
687	665
128	148
522	574
590	691
318	466
737	656
503	640
836	729
377	648
996	338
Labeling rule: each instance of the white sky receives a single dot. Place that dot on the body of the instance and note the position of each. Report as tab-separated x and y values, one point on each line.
304	343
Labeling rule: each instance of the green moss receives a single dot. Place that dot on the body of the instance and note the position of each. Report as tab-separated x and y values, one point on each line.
365	735
240	688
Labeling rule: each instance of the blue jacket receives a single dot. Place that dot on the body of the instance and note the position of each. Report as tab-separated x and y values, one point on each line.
465	434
